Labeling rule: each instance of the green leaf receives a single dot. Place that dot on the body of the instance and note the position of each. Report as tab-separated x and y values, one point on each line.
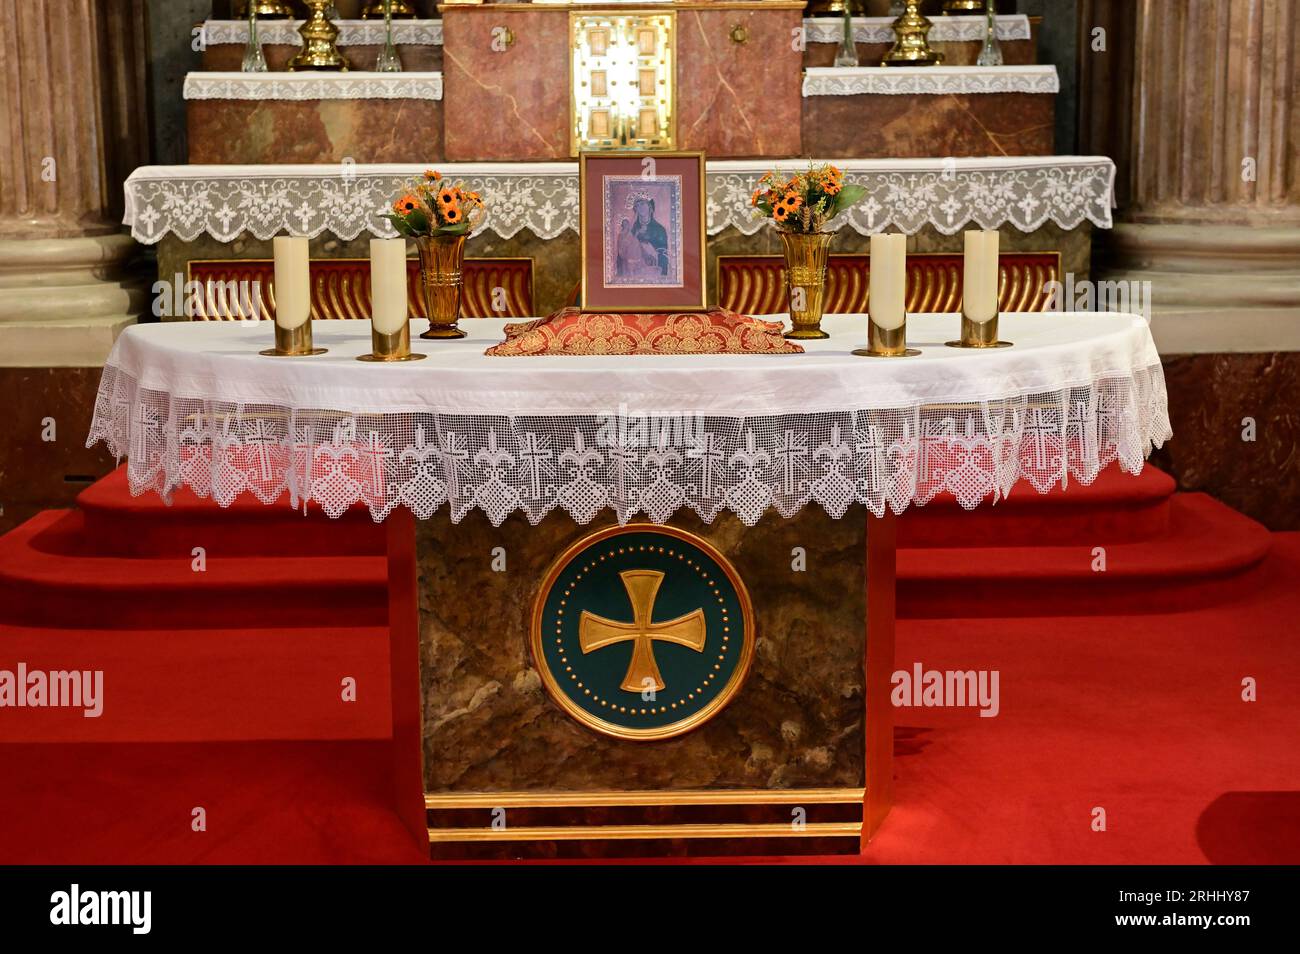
460	228
849	196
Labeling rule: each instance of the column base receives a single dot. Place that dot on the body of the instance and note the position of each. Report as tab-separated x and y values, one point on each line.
63	301
1213	288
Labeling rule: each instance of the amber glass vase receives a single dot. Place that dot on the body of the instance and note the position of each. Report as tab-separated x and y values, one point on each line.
442	258
805	281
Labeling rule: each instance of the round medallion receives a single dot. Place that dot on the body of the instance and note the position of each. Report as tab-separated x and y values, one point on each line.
642	631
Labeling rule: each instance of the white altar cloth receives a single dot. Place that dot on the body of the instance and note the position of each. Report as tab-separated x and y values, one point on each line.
193	404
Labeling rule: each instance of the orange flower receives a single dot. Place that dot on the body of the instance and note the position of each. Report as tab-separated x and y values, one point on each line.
753	199
831	187
432	175
451	214
446	197
791	202
406	204
779	213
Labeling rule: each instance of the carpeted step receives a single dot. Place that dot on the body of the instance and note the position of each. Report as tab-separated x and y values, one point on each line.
207	684
120	524
1206	545
1115	508
39	585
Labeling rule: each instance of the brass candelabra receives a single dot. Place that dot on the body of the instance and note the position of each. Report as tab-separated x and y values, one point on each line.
912	45
319	37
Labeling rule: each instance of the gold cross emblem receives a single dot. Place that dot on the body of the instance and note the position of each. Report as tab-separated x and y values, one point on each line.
596	632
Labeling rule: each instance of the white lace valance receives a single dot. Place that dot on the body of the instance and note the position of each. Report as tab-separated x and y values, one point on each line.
351	32
349	199
943	30
194	405
928	80
353	84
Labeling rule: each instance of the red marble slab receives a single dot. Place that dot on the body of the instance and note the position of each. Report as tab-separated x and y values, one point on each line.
959	124
510	104
738	100
365	130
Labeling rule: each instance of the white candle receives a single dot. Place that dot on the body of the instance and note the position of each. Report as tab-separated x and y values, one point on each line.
292	281
980	279
887	296
388	284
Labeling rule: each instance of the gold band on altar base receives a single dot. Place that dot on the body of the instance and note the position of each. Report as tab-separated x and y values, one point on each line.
979	334
293	342
391	347
886	342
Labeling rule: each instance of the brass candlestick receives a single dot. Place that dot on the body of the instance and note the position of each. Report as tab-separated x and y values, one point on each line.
979	334
886	342
391	347
319	36
912	46
962	6
266	8
401	10
293	342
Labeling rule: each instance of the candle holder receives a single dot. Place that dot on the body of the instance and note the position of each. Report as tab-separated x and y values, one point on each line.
293	342
267	9
391	347
912	46
959	7
319	35
979	334
886	342
375	9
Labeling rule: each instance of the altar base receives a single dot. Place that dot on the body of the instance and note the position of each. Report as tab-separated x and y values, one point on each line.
797	763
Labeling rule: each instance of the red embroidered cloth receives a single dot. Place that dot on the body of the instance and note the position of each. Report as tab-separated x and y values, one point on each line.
716	331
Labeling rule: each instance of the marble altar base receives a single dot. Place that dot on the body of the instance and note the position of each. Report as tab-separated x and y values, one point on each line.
495	745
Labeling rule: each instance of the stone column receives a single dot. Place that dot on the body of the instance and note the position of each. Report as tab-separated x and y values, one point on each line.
73	108
1199	103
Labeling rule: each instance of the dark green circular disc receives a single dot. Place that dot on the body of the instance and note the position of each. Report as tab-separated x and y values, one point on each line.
642	631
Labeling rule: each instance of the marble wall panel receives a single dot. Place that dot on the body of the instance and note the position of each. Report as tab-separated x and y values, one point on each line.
882	126
489	725
270	131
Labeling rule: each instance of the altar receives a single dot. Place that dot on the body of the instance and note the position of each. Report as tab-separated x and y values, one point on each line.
637	605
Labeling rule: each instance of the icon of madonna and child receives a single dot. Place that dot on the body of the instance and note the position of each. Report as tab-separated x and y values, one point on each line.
643	231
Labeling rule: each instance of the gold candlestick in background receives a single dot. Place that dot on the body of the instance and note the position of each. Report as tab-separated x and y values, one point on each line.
912	46
401	10
319	35
951	7
292	298
887	300
979	299
266	8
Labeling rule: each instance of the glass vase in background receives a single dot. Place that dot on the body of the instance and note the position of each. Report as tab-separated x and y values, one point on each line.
254	61
991	51
389	61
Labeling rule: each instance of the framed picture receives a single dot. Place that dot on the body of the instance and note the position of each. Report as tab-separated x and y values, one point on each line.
641	226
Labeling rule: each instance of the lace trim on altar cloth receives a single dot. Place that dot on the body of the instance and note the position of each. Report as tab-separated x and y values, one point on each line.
928	80
351	32
880	458
305	86
346	200
968	29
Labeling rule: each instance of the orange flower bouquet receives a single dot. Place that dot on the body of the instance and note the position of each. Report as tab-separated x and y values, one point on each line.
433	206
806	201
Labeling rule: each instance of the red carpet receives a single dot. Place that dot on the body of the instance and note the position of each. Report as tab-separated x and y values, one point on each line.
1119	690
